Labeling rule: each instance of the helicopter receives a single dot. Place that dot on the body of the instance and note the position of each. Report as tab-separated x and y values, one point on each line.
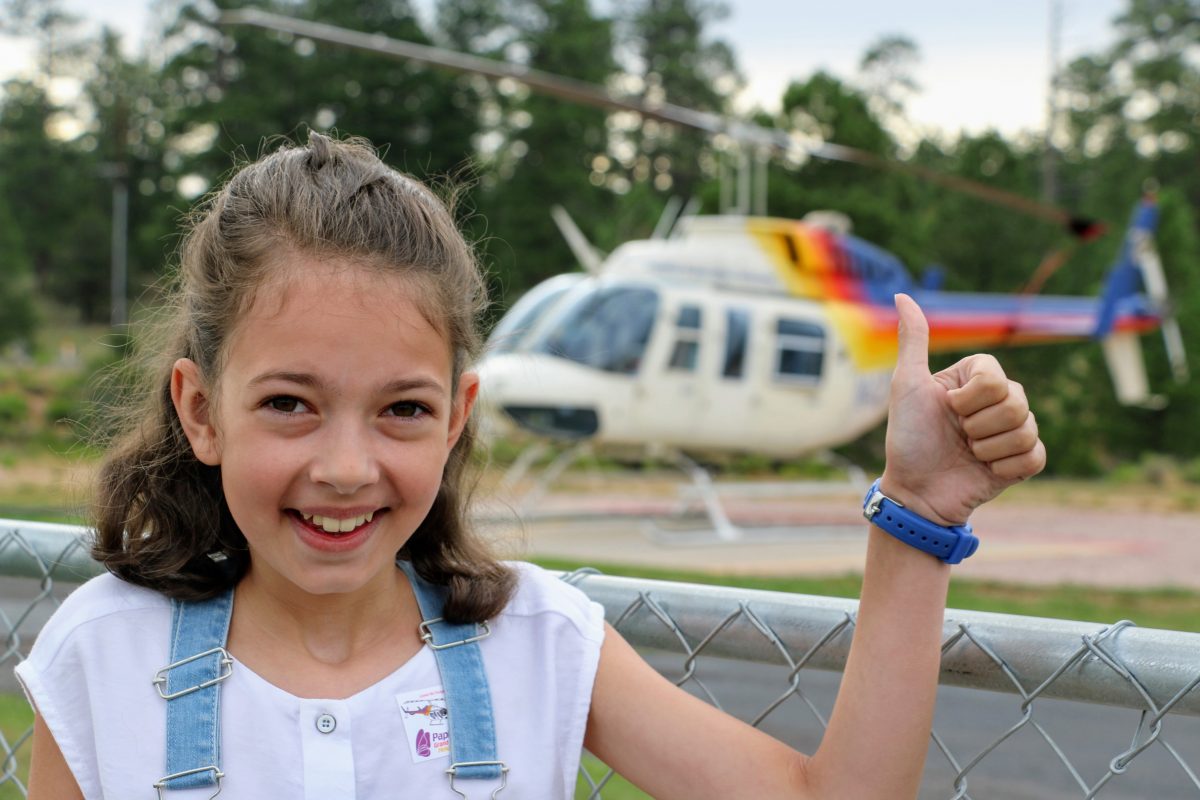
745	333
720	336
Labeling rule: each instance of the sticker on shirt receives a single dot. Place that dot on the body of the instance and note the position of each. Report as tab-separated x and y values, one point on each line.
426	723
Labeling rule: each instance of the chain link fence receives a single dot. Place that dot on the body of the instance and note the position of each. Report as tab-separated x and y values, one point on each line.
1029	708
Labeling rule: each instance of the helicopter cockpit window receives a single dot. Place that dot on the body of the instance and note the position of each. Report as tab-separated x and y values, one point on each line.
801	351
607	329
686	351
512	330
737	334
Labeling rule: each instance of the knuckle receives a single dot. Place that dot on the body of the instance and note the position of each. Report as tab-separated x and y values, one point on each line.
1027	439
995	385
1015	415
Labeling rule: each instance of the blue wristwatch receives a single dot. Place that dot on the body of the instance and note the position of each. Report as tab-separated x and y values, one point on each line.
950	544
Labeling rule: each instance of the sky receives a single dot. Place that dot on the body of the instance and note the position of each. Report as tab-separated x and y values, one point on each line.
983	64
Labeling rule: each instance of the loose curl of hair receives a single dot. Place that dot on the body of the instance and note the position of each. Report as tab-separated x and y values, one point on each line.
161	516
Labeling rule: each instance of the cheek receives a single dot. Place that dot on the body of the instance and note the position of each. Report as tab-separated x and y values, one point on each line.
255	475
420	469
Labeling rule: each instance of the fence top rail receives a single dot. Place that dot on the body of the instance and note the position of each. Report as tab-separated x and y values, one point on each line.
1119	664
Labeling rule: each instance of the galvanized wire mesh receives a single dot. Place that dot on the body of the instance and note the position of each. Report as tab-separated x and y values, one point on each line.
772	659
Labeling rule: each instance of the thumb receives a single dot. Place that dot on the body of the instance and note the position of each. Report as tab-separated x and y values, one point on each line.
913	353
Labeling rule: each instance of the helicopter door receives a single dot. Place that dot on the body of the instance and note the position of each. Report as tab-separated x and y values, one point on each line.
728	384
670	413
797	381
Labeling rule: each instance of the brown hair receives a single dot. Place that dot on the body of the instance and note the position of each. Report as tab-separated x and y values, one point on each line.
161	516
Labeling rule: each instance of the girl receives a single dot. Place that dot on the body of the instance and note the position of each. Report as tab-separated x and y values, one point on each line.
297	609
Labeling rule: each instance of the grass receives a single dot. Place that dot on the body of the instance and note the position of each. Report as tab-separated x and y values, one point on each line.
616	789
15	718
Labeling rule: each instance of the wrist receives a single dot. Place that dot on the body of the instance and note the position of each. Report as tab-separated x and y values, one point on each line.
914	502
948	543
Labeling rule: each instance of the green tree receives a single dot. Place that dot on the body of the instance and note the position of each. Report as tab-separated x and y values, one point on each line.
882	206
51	26
674	60
51	187
127	139
886	76
548	146
237	88
18	319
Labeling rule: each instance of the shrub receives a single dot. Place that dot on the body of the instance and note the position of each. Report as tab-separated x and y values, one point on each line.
13	409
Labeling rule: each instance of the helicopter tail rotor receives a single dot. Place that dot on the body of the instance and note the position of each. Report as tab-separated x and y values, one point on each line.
1139	269
1145	255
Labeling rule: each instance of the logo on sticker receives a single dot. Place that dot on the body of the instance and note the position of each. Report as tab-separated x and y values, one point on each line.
436	714
425	718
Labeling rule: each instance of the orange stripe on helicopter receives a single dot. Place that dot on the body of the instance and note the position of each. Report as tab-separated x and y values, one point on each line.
812	264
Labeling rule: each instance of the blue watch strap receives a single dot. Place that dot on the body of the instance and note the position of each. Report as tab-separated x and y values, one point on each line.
950	544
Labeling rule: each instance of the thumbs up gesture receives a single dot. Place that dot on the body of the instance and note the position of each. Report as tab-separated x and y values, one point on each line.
957	438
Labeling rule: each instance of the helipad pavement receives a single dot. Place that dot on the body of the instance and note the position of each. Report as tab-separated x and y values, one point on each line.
1040	543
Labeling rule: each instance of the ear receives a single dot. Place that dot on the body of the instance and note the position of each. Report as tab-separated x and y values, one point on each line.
189	393
464	401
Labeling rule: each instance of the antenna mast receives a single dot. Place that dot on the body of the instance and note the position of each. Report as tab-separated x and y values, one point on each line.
1049	154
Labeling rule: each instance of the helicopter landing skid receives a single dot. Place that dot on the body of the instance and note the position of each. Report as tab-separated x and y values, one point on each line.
721	530
528	501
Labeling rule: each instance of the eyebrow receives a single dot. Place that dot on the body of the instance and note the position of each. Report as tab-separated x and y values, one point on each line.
313	382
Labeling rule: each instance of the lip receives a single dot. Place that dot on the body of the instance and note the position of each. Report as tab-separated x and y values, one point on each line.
318	539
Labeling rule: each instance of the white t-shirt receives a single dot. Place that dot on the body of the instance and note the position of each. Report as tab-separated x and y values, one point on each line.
90	674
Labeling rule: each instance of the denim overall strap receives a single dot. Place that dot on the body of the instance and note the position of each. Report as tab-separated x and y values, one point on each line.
468	698
191	686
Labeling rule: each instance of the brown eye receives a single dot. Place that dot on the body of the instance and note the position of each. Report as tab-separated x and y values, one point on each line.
407	410
285	404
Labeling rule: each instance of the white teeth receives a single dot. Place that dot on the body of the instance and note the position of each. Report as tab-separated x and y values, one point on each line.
335	525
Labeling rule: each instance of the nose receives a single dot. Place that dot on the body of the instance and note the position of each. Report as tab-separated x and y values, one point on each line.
345	460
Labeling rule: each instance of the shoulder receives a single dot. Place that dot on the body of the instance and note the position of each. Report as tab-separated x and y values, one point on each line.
542	594
101	604
78	673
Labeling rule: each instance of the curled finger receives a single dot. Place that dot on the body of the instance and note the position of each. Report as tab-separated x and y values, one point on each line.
1006	415
1022	465
982	383
1013	442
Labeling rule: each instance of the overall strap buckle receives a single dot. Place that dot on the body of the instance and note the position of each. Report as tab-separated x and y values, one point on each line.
426	633
453	771
161	783
225	667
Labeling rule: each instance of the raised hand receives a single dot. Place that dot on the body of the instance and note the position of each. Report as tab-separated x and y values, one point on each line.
958	438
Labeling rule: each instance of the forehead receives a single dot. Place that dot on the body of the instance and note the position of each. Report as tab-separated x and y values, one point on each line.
333	312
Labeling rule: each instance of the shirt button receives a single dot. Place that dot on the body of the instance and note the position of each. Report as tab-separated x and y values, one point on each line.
326	723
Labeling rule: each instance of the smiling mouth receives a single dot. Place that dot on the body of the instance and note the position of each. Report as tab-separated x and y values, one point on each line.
334	526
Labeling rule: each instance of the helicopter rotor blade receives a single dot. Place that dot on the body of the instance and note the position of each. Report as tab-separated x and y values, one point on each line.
774	140
588	257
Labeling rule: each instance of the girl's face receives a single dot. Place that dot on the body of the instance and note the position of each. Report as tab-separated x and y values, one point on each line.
332	422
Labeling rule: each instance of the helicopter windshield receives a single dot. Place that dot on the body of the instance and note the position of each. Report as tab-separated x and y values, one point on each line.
606	327
514	327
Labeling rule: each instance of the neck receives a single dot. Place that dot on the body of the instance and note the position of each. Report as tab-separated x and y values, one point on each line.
332	629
